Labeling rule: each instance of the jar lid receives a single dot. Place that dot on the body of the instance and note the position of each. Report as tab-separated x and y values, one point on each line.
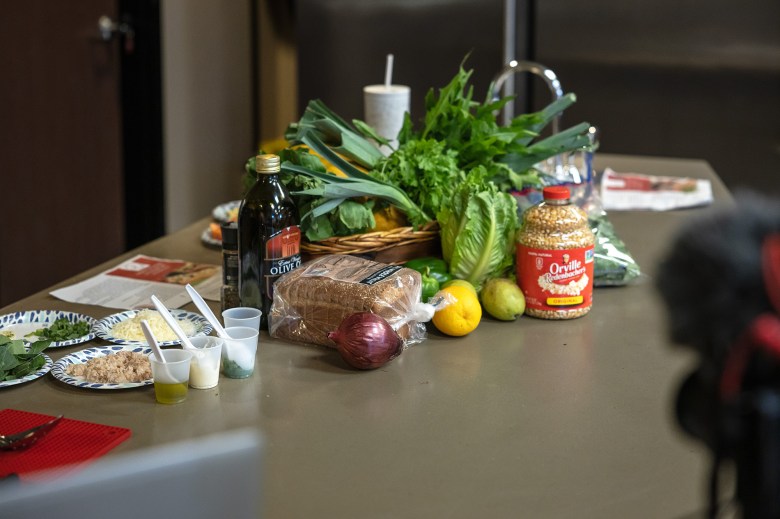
229	233
267	164
556	193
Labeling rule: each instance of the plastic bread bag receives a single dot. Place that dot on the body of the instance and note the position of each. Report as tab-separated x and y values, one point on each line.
314	299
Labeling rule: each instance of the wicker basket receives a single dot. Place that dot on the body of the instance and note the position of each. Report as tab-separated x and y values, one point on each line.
394	246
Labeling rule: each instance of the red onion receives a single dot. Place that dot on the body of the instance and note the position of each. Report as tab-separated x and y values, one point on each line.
366	341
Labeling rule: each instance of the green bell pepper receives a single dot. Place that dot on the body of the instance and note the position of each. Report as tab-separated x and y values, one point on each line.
437	268
432	269
430	286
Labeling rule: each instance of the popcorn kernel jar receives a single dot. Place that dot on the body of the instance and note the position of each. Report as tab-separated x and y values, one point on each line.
555	247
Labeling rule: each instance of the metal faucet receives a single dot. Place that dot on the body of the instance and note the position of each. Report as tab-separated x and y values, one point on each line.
545	73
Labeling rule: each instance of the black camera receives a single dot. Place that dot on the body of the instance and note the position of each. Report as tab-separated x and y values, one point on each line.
721	284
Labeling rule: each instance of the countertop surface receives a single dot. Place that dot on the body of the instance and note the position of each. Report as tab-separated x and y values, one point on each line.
530	418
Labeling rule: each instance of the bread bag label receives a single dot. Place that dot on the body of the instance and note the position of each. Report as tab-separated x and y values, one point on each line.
351	269
380	274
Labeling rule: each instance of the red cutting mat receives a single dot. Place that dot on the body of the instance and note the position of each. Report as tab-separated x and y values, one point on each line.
72	443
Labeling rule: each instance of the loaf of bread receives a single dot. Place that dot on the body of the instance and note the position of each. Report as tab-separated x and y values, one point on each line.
313	299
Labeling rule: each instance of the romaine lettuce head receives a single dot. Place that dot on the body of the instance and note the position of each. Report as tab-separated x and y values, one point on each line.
478	230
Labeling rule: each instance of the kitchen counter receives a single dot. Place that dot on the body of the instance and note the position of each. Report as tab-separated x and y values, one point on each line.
530	418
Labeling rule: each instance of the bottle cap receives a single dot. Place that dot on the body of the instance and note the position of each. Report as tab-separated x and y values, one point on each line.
556	193
267	164
229	233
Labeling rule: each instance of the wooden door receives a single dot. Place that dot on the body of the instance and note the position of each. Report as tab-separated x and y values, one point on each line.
61	185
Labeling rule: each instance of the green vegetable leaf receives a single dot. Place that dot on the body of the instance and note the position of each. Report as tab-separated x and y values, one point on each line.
471	130
16	361
478	230
425	170
331	130
62	330
364	185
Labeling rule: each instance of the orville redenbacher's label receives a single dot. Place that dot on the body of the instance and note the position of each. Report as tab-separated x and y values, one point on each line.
282	254
555	279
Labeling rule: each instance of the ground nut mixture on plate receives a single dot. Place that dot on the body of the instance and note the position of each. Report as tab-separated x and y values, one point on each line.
118	368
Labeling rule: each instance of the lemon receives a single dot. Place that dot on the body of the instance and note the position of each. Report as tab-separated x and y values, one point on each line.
462	313
460	283
388	218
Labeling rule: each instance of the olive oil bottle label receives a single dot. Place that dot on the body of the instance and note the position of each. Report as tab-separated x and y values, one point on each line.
282	255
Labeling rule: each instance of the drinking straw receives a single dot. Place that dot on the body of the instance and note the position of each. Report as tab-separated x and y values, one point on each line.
389	71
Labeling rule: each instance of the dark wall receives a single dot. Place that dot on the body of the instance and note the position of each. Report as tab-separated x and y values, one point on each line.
675	78
663	77
343	44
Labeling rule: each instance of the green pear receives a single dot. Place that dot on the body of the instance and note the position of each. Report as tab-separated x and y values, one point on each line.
503	299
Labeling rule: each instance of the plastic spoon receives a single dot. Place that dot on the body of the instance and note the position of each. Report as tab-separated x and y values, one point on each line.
171	320
150	338
237	354
206	311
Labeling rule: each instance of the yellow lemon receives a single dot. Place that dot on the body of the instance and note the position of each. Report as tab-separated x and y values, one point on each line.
462	313
460	282
388	218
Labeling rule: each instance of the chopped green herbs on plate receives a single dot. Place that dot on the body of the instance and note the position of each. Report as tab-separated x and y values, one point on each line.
62	330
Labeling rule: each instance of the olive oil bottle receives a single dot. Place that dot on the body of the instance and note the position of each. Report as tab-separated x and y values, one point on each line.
269	236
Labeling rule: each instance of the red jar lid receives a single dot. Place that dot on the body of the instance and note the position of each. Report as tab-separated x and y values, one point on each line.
556	192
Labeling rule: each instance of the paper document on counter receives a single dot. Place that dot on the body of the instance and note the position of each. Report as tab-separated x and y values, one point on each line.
131	284
632	191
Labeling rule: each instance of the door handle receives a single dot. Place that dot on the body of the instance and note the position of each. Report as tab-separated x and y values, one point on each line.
108	28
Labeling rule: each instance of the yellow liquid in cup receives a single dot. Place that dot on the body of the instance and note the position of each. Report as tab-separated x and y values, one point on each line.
170	393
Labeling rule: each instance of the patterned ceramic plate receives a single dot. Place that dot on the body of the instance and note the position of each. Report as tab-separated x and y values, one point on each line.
32	376
227	212
103	328
22	323
209	239
60	368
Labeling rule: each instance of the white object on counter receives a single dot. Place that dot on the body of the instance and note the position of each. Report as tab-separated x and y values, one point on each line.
204	369
637	191
384	107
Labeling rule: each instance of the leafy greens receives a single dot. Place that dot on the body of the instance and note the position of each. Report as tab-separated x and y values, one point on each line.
478	229
17	361
62	330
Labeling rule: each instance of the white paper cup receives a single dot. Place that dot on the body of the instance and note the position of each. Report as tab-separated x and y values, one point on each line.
238	352
384	107
204	369
242	316
172	376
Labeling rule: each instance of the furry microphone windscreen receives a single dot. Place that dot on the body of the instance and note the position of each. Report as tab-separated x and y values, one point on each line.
711	280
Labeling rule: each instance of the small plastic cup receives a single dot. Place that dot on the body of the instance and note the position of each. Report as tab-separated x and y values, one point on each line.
384	107
172	376
242	316
204	369
238	352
